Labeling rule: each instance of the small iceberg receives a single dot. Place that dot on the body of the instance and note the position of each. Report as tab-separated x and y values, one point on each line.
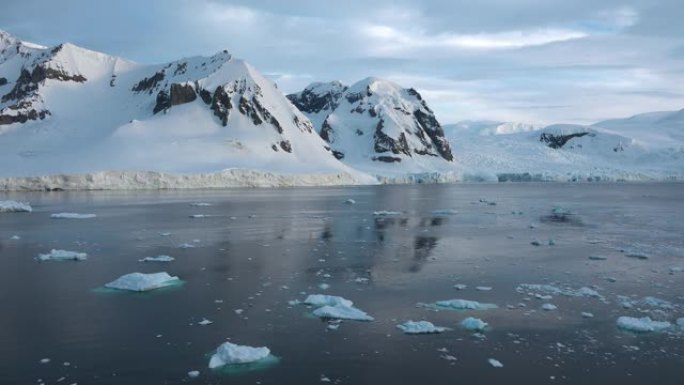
62	255
462	304
72	216
384	213
15	207
320	300
143	282
232	354
349	202
642	325
472	323
186	246
445	212
549	307
200	204
421	327
160	258
495	363
533	288
680	322
199	216
342	312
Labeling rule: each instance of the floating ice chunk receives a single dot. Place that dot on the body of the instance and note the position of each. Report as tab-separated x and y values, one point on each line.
45	361
62	255
186	246
342	312
383	213
472	323
72	216
231	354
629	303
159	258
549	307
198	216
319	300
460	286
680	322
193	373
445	212
463	304
143	282
15	237
495	363
554	290
676	269
642	325
200	204
421	327
587	314
15	207
349	202
324	286
598	257
205	322
484	288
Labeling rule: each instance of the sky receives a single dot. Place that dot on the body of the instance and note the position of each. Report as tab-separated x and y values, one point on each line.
535	61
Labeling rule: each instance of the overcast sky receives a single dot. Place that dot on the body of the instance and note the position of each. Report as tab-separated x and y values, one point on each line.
540	61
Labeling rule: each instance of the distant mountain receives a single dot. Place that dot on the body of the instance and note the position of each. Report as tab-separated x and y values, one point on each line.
66	109
654	129
376	121
489	127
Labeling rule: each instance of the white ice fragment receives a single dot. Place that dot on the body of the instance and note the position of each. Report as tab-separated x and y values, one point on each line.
549	307
587	314
230	354
319	300
472	323
205	322
238	311
463	304
197	216
445	212
45	361
186	246
62	255
460	286
72	216
200	204
159	258
642	325
142	282
15	237
383	213
421	327
15	207
294	302
484	288
629	303
554	290
349	202
495	363
680	322
193	373
676	269
342	312
324	286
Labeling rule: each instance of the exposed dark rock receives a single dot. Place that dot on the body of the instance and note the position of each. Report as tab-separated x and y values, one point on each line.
182	93
309	102
413	92
286	146
274	147
205	95
221	105
25	115
3	81
386	159
247	109
148	84
180	69
40	73
372	113
384	143
359	132
432	128
558	141
326	131
354	97
303	125
338	154
163	102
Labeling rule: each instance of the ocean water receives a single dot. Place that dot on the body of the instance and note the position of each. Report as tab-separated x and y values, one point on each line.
258	249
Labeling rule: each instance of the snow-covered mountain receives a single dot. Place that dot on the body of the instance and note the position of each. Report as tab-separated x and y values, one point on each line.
69	110
376	125
663	129
489	127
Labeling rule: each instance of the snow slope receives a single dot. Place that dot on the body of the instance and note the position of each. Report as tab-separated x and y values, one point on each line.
69	110
377	126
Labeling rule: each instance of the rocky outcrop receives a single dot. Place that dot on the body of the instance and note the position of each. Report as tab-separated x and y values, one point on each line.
557	141
3	81
221	105
149	84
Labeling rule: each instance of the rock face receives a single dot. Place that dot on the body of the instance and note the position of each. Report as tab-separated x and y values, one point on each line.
559	140
373	119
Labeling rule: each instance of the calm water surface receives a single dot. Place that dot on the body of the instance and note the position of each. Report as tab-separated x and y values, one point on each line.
265	247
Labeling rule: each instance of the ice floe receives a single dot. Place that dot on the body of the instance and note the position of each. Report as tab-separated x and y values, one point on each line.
460	286
231	354
531	289
193	373
445	212
495	363
159	258
461	304
15	207
383	213
680	322
472	323
587	314
421	327
342	312
642	325
350	202
200	204
629	303
205	322
320	300
72	216
549	307
143	282
62	255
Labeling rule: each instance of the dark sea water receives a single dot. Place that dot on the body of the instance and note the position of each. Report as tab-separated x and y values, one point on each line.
265	247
